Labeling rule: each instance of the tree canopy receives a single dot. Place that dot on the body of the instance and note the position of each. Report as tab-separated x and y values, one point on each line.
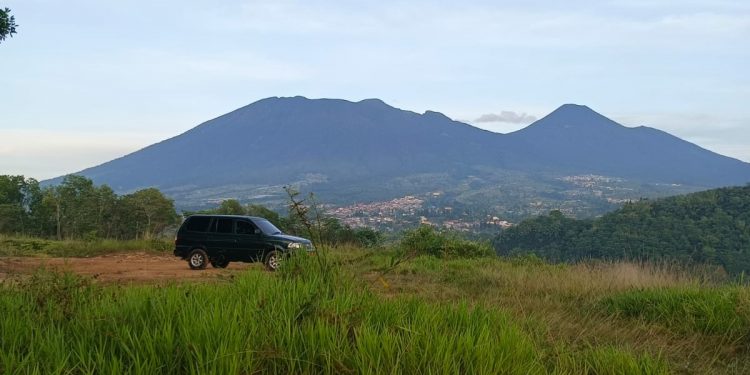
76	208
7	24
711	227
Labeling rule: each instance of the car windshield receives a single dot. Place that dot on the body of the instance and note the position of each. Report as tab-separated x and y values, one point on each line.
266	227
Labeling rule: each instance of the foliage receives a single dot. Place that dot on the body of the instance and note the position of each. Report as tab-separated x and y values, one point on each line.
7	24
19	204
723	311
425	240
150	211
231	207
711	227
77	209
30	246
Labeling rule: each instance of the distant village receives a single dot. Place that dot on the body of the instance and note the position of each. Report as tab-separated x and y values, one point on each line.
409	211
586	194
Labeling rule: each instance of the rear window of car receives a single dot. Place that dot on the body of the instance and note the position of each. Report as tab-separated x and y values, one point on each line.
197	224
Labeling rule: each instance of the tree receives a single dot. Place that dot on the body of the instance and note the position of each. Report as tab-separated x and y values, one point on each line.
11	200
18	198
368	237
79	207
264	212
231	207
154	212
7	24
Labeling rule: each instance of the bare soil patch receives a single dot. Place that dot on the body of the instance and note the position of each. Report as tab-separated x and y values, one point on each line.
122	267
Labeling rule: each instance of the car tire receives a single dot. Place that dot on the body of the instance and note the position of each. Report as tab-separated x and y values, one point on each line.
273	259
219	262
197	259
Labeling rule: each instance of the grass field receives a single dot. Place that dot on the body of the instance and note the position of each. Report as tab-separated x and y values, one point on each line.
353	311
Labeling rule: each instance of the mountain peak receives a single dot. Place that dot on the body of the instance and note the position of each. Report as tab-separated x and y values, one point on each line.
572	118
574	110
436	115
373	101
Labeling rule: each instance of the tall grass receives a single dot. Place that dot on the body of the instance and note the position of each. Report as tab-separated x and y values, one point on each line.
290	322
31	246
564	303
721	311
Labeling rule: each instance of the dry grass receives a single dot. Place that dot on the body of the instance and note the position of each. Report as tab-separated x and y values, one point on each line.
561	304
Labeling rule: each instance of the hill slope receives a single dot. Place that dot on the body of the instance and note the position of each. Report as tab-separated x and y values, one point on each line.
705	227
343	147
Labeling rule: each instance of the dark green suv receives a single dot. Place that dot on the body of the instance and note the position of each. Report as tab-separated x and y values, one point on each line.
220	239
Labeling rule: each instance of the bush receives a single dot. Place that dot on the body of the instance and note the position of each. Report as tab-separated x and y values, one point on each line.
30	246
427	241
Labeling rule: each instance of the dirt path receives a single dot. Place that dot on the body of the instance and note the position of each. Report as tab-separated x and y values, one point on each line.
125	267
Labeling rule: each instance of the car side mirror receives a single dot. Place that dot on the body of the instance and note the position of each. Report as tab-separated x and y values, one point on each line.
257	231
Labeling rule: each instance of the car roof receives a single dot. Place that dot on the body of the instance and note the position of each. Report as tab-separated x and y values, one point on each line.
230	216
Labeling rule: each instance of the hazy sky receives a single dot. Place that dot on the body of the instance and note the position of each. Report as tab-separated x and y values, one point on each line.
85	81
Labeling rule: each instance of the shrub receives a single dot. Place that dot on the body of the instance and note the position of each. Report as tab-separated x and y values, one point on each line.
427	241
30	246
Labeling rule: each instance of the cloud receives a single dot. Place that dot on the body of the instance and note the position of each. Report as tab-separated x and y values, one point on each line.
506	116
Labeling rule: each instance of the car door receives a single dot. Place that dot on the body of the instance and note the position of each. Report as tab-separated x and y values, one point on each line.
221	239
249	240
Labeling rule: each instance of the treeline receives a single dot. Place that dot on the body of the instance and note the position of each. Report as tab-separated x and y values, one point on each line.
710	227
77	209
329	230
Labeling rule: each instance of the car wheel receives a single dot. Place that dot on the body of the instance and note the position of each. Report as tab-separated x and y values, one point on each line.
220	262
197	259
273	260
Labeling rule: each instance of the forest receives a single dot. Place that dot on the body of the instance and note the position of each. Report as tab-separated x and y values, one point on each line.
709	227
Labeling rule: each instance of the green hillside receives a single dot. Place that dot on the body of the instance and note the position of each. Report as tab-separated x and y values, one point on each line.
709	227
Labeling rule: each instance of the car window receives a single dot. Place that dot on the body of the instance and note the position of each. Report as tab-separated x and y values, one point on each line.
244	227
223	225
267	227
197	223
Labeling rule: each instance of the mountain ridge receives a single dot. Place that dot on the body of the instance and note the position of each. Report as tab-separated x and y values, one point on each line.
282	140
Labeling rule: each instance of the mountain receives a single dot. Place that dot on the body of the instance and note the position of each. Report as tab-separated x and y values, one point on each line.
370	150
574	138
280	140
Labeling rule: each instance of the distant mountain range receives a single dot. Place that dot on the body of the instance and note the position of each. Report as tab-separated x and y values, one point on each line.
350	151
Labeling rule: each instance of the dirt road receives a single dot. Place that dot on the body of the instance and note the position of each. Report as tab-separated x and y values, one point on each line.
125	267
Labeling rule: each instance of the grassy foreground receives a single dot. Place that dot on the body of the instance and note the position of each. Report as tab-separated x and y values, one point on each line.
359	311
303	320
690	320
